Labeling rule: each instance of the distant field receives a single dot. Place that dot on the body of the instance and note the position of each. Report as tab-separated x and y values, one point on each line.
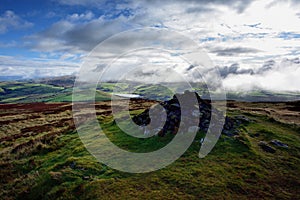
43	157
60	90
20	92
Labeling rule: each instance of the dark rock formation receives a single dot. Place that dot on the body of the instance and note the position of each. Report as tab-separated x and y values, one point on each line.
267	148
279	144
203	110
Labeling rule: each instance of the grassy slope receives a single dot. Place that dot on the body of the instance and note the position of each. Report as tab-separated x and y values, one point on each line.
19	92
236	168
23	92
14	92
261	95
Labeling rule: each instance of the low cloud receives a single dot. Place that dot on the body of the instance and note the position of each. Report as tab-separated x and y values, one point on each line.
35	68
233	69
233	51
281	76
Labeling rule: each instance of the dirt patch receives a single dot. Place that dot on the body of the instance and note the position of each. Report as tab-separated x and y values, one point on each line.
286	112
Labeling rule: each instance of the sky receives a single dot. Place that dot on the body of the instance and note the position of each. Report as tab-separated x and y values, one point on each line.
253	43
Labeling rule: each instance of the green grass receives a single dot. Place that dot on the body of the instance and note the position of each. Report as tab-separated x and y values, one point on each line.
19	92
1	90
26	92
237	168
68	97
16	92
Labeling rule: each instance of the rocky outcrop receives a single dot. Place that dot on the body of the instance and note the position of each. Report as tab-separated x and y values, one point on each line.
278	143
267	148
203	110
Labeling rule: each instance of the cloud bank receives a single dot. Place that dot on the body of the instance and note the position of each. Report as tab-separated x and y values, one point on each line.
253	43
281	76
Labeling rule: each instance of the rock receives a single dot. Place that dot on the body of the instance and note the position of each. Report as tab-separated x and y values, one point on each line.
73	165
201	140
243	118
174	115
279	144
86	177
254	134
266	147
227	133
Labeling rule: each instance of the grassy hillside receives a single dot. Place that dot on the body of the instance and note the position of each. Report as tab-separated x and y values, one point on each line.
26	92
262	95
43	157
60	90
23	92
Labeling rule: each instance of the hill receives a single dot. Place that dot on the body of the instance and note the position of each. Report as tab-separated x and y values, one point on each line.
28	92
59	89
43	157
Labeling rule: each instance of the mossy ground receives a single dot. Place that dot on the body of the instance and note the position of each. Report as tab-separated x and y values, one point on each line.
58	166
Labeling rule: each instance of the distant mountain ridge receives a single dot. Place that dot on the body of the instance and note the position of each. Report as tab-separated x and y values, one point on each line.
60	89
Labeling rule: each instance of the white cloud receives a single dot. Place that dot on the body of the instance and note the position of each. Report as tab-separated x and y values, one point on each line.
244	32
30	68
9	20
283	76
76	36
83	16
8	44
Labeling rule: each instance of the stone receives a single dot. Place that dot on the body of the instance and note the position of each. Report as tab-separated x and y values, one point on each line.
279	144
242	118
266	147
86	177
227	133
73	165
174	115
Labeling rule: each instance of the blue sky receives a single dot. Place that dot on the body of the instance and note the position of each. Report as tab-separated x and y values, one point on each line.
242	37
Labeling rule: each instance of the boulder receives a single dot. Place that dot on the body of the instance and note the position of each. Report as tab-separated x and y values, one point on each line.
279	144
267	148
175	114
